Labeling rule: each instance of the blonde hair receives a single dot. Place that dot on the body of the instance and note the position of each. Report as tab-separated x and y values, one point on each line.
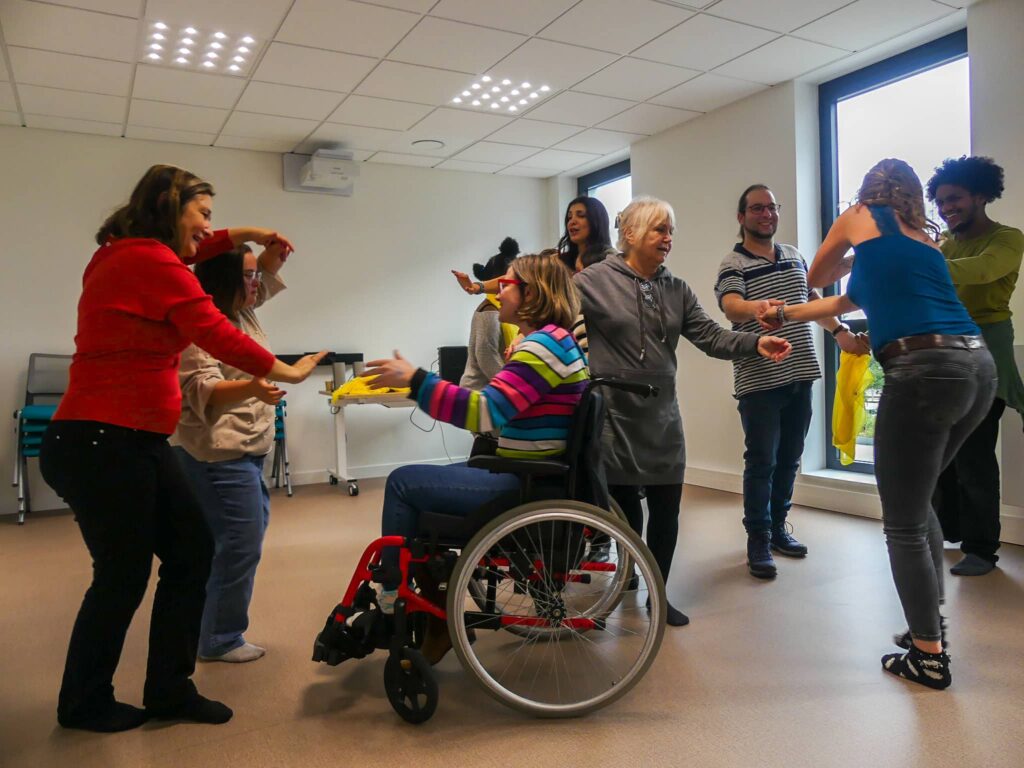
640	217
553	298
892	182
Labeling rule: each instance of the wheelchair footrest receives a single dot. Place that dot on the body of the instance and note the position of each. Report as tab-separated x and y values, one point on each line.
339	641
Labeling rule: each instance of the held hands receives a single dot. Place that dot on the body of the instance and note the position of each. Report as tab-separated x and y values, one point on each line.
270	238
395	372
767	314
266	391
854	343
465	283
774	348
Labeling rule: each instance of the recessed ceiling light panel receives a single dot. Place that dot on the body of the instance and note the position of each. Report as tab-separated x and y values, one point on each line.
219	51
499	93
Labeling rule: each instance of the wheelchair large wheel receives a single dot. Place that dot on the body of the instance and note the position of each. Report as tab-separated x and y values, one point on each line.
583	644
606	586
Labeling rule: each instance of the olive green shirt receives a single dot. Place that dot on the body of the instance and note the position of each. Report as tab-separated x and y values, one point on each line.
984	270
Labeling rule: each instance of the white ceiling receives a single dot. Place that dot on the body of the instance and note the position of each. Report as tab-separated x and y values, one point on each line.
374	76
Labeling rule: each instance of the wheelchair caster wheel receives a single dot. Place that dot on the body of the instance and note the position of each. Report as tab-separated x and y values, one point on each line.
410	686
353	489
333	480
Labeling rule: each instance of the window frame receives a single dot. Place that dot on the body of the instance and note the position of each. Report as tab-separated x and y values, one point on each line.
934	54
602	176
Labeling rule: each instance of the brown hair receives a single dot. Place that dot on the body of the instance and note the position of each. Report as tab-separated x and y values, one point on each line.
155	206
892	182
549	293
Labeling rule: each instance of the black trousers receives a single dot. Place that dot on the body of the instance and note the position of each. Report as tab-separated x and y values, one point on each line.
131	501
662	522
967	497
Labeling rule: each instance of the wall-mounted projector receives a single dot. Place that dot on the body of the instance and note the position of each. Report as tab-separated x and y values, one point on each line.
327	171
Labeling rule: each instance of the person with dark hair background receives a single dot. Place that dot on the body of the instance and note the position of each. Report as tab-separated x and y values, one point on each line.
223	437
984	260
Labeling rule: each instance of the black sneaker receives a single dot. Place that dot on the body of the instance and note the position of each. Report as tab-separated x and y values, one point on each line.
784	543
930	669
759	556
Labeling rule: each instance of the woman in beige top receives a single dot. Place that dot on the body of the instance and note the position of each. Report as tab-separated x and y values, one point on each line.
226	431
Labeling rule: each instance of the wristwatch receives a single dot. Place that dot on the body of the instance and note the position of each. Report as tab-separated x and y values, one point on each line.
839	329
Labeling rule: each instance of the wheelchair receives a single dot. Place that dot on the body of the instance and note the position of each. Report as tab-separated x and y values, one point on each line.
554	606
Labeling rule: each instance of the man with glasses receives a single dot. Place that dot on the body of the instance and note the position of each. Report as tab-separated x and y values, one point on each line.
774	399
984	260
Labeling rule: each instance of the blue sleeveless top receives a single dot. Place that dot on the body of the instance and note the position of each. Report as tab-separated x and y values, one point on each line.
904	286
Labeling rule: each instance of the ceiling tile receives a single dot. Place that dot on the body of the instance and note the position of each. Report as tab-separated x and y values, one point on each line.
462	165
704	42
341	25
524	16
648	119
10	118
455	128
395	158
131	8
559	159
7	98
536	173
160	84
379	113
416	6
557	64
857	26
707	92
3	70
407	82
311	68
349	137
613	25
162	114
533	133
256	144
635	79
492	152
780	15
451	45
288	101
74	126
68	30
253	126
83	106
599	141
781	60
166	134
579	108
75	73
240	17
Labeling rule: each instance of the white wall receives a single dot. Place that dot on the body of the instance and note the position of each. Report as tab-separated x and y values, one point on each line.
370	272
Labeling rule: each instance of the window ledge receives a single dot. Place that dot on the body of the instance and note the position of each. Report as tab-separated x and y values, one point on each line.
834	475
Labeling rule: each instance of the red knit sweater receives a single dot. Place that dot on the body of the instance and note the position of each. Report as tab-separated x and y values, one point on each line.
140	307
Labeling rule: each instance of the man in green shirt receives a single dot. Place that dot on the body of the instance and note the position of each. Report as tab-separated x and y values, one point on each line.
984	259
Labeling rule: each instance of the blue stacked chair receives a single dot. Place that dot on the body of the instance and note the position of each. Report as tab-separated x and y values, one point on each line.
279	465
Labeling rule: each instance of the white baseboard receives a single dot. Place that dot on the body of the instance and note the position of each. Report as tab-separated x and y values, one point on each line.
365	472
850	497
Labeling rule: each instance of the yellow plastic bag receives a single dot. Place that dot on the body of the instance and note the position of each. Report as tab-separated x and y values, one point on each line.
360	387
848	411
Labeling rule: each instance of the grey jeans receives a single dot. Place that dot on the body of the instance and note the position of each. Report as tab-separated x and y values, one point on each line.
931	402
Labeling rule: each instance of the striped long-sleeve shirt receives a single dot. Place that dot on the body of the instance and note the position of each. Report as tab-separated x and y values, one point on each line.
530	401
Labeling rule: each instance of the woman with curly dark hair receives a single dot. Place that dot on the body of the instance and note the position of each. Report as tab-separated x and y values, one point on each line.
984	260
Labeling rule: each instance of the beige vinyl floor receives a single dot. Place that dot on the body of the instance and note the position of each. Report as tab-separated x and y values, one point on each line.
782	673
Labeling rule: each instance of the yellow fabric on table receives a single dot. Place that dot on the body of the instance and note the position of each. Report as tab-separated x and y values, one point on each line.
848	411
360	387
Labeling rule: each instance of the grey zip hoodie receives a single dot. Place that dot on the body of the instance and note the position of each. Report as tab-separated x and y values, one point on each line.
633	326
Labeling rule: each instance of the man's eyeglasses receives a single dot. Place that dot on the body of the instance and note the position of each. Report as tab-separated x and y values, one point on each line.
757	209
252	275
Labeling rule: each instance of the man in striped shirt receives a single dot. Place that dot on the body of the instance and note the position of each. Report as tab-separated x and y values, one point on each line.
774	398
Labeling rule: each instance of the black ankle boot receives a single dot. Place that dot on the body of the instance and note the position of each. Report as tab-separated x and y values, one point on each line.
930	669
759	555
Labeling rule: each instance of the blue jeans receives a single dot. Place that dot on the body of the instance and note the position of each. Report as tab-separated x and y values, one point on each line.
236	505
775	423
452	489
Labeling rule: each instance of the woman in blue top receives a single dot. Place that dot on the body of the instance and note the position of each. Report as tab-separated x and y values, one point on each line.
939	383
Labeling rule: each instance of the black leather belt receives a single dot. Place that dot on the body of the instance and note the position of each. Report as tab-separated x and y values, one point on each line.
927	341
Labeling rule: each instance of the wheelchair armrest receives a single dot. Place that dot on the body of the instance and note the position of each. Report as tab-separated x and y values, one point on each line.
535	467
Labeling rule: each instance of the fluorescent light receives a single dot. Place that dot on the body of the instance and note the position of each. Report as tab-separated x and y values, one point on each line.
495	105
486	96
212	55
156	47
533	95
466	93
506	81
184	51
525	85
545	88
190	30
157	36
207	63
486	78
154	56
160	25
513	108
495	89
456	100
234	67
216	46
239	60
219	35
514	91
523	101
181	60
242	49
476	103
248	40
504	99
187	41
475	86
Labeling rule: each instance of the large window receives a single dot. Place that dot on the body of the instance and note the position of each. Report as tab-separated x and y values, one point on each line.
613	186
914	106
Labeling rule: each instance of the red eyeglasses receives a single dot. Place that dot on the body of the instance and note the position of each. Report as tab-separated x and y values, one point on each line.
503	281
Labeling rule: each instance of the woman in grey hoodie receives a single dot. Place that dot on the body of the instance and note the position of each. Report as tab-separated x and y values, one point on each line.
635	312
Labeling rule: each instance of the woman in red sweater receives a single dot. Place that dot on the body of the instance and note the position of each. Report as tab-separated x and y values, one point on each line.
106	452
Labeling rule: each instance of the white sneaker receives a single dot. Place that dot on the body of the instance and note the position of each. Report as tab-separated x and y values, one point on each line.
240	655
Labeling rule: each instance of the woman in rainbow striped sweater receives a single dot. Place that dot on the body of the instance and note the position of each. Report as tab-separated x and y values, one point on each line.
530	402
